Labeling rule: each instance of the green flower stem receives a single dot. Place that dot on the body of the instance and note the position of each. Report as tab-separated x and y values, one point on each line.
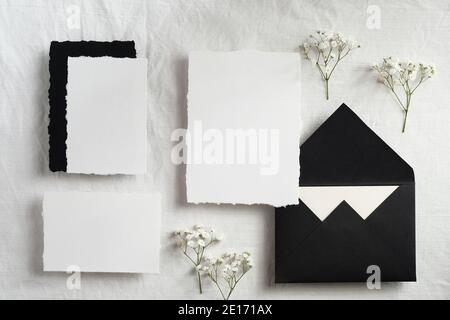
199	253
325	74
408	103
199	282
196	263
220	289
404	121
405	107
232	282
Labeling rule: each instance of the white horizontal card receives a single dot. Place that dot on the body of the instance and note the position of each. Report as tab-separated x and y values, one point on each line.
243	128
363	199
101	232
106	115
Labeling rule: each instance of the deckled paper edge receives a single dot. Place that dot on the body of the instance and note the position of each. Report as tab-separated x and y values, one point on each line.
52	92
153	194
146	124
277	205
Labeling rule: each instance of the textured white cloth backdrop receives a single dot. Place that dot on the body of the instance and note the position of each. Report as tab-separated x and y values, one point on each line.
165	32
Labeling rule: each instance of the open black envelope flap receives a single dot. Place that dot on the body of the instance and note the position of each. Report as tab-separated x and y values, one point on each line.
345	152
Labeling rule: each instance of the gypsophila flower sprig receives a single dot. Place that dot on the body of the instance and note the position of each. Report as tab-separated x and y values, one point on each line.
193	242
326	49
226	272
405	76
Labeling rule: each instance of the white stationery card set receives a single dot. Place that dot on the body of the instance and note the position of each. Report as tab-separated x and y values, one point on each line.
243	146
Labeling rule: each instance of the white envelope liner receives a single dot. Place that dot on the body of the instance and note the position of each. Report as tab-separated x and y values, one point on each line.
363	199
102	232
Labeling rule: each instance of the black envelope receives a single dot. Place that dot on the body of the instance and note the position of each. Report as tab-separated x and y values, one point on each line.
345	152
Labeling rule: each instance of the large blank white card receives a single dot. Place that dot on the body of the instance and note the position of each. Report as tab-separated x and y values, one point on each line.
106	115
101	232
243	128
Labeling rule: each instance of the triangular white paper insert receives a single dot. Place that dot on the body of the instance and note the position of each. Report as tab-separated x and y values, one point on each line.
363	199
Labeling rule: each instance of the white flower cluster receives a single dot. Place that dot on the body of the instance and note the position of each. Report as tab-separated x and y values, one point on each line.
326	49
392	72
324	41
230	266
197	237
407	76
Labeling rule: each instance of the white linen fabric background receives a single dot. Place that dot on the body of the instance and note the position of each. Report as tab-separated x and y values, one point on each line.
165	32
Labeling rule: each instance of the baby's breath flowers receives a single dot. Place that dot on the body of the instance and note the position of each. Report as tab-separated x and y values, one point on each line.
194	242
227	270
404	75
326	49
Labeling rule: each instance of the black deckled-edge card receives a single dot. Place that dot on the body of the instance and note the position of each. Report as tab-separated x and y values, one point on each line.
59	53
